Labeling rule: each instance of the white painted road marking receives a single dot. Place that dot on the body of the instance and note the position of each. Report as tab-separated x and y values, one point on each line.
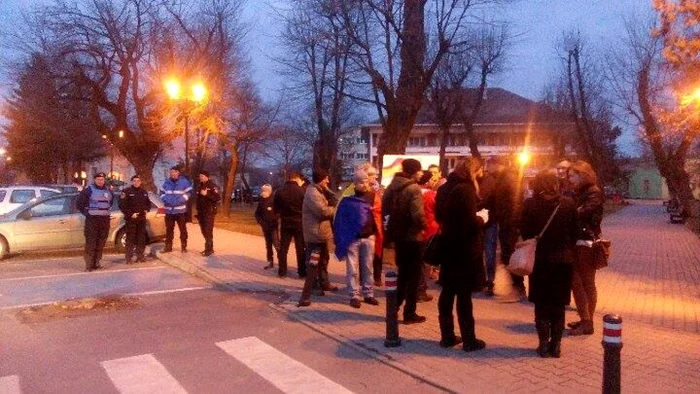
141	375
9	385
284	372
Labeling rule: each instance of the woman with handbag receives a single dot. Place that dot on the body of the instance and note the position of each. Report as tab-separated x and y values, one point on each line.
550	280
461	264
589	200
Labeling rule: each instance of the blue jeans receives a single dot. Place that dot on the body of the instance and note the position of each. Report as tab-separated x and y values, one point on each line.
359	263
490	244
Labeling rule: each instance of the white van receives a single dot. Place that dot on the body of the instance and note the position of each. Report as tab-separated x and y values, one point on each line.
12	197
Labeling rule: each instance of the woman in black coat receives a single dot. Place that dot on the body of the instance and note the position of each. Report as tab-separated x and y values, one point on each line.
461	264
550	281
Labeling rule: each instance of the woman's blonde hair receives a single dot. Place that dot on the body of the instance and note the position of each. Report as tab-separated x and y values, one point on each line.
467	168
585	171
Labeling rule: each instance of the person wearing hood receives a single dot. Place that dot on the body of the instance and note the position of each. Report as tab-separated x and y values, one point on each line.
550	280
402	208
461	257
354	233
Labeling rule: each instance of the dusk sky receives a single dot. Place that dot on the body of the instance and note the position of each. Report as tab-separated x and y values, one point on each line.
532	59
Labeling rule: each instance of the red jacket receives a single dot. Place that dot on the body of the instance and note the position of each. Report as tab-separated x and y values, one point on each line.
432	226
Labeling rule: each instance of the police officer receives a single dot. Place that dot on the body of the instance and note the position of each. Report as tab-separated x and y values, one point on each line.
176	193
208	197
135	204
95	202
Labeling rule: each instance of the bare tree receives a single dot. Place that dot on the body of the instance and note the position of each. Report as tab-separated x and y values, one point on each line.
317	63
390	41
589	109
643	83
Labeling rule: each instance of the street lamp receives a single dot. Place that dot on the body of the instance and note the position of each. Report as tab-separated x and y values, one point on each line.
111	154
186	103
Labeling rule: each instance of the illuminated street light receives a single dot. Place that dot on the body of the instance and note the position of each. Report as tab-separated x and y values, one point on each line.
524	158
199	94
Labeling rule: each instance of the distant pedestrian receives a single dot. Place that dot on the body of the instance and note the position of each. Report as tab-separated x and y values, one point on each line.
402	203
287	201
135	204
461	259
268	219
550	281
354	232
95	203
176	194
208	198
589	201
317	213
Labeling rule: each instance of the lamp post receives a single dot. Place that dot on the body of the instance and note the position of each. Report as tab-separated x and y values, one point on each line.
186	103
111	155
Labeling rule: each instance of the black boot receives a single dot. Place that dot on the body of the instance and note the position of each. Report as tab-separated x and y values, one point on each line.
555	341
543	335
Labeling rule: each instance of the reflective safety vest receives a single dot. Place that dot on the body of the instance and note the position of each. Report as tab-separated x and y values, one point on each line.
100	201
175	195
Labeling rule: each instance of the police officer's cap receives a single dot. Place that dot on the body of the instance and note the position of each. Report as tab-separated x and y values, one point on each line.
99	175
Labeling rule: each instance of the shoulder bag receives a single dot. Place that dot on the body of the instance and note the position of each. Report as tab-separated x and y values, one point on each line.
522	261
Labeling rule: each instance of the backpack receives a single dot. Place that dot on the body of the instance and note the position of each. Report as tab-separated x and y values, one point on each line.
391	215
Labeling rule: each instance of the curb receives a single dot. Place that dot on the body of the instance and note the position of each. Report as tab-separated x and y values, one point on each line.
192	269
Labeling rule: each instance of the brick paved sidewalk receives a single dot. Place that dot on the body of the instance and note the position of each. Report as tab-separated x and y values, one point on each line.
652	282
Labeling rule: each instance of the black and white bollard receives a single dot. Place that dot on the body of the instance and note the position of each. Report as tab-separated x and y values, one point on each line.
392	313
612	344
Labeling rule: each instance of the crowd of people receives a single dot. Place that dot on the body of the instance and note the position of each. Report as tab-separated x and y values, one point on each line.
476	208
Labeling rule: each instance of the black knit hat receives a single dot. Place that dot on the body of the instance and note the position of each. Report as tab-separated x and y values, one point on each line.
176	168
135	177
410	166
205	173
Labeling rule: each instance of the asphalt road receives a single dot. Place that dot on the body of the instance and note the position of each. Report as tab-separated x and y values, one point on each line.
148	328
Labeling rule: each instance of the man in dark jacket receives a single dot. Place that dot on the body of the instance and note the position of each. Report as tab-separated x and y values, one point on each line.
288	201
402	203
208	197
504	204
95	202
135	204
268	220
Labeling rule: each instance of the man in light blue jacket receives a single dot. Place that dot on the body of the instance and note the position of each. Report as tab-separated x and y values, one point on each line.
176	192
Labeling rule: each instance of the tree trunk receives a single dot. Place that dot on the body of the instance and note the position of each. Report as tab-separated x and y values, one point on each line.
444	137
230	179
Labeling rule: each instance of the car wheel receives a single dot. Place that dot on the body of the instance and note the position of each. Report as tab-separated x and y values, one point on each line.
4	249
120	241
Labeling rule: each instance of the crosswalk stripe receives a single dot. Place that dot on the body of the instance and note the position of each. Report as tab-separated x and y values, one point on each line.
9	385
141	375
284	372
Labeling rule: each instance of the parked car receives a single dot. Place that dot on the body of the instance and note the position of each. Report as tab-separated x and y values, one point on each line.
64	188
12	197
54	223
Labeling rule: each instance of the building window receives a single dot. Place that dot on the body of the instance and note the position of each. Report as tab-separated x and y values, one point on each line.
416	141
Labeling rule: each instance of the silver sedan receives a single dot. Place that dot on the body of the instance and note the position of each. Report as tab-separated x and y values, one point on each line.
54	223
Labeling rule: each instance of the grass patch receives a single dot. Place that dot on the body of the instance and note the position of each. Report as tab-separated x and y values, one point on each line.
240	219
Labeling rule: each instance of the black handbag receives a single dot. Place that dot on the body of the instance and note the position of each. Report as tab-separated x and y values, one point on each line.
433	250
